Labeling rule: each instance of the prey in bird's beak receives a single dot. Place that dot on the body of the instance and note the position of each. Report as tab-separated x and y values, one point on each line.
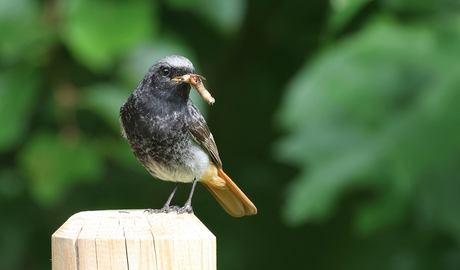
196	81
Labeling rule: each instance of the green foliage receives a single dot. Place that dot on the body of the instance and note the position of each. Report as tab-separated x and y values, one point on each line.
98	32
54	164
18	90
104	100
228	18
342	12
379	112
24	33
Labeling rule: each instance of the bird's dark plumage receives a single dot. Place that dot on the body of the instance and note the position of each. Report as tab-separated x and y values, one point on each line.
170	137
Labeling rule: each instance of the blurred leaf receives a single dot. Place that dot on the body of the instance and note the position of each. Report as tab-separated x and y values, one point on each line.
381	212
23	32
361	79
225	16
378	104
104	100
342	12
419	6
118	151
18	89
11	184
314	195
13	242
97	32
54	164
438	201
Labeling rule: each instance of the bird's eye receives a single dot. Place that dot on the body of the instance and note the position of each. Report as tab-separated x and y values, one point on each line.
165	71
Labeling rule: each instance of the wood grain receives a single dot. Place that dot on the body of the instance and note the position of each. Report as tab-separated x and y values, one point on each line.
132	239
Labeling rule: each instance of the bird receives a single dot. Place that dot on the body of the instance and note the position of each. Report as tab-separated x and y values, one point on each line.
171	139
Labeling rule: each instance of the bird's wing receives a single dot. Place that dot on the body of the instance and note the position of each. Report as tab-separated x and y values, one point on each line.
200	132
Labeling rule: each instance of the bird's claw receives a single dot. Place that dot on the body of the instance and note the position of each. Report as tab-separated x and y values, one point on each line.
164	210
185	209
171	209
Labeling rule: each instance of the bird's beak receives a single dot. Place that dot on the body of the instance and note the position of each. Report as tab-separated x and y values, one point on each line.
188	78
196	81
184	78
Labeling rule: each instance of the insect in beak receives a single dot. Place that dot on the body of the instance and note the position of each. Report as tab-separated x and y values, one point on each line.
196	81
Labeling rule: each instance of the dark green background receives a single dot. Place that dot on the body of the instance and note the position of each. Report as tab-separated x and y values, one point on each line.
340	120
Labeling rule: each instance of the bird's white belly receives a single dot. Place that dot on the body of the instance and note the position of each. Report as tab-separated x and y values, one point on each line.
192	165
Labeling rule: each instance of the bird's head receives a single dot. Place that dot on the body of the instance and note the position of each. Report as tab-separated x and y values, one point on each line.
160	79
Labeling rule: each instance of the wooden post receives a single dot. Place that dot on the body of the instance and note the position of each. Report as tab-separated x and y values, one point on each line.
132	239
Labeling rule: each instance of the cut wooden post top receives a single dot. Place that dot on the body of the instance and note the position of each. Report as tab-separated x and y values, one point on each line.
133	239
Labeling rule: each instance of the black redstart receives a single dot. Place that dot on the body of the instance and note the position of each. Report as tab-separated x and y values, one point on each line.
171	139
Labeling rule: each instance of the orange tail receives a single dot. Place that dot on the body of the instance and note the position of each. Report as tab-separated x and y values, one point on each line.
227	193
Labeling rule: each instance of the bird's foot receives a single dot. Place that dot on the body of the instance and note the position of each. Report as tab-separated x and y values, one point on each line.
164	209
187	208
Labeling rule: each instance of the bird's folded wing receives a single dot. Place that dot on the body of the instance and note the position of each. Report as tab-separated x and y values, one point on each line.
200	132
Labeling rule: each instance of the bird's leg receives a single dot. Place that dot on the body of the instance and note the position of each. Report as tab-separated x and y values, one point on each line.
168	202
167	207
187	208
